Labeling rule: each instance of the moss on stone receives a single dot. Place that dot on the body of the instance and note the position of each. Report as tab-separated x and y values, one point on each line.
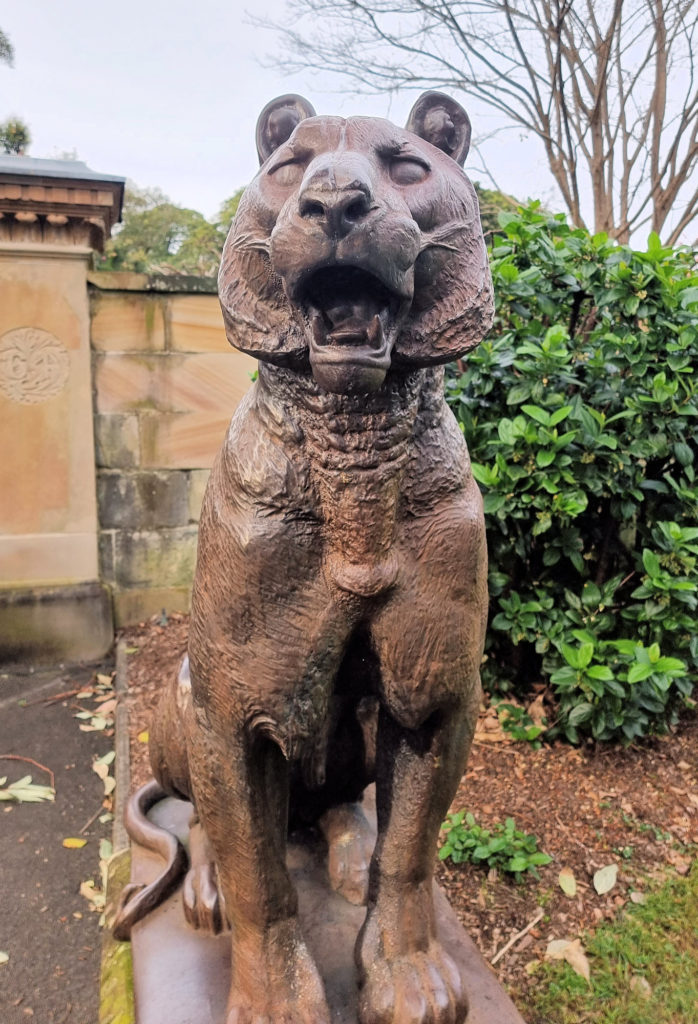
116	1003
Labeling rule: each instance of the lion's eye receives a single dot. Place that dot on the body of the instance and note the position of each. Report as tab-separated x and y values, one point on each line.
407	170
287	173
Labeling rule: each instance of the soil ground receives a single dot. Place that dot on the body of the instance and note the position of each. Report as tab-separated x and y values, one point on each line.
49	931
589	807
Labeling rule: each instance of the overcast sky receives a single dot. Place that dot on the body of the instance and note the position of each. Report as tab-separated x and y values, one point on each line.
168	94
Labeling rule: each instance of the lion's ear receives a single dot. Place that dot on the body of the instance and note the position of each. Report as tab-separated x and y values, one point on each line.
277	121
441	121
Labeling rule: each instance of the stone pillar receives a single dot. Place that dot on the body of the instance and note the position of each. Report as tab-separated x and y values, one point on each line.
53	215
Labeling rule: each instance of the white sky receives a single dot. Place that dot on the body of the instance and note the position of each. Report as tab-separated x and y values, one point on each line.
168	95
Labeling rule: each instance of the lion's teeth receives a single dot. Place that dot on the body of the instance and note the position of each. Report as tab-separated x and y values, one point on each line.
318	329
374	333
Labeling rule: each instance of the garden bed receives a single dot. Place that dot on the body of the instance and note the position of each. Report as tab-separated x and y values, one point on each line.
589	807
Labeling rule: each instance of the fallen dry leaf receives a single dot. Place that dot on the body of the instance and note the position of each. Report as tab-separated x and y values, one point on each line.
605	878
94	896
572	951
25	791
567	882
536	711
641	986
680	863
577	959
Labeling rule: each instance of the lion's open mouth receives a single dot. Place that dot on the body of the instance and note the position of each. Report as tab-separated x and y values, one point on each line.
349	307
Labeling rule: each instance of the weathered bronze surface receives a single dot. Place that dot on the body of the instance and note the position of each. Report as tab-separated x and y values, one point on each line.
183	976
340	596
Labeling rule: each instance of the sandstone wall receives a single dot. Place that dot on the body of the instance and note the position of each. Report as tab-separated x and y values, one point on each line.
165	383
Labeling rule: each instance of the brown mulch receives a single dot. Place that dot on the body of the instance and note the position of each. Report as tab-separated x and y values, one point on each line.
589	807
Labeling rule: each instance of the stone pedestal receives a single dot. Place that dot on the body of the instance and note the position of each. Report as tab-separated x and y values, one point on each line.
181	975
53	214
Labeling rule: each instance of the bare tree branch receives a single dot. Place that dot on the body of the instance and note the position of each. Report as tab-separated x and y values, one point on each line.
607	86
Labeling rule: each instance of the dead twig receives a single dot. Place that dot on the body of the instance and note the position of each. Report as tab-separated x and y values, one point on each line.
30	760
89	821
54	697
571	835
515	938
494	745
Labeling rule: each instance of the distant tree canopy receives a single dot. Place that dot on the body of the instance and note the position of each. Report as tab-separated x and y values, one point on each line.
7	52
492	203
14	136
157	236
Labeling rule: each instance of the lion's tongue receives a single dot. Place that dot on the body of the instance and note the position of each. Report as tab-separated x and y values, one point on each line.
349	330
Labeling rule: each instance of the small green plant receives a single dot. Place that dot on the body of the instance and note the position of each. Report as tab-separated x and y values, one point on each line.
518	723
659	834
503	847
626	852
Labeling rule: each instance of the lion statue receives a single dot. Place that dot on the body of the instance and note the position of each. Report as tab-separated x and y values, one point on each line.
339	604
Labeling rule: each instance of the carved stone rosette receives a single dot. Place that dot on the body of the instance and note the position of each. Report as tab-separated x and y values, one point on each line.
34	365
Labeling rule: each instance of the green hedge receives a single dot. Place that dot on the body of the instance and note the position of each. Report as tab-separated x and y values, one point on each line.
580	411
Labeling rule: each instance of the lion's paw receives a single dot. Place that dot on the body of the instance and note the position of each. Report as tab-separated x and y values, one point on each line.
350	841
417	988
203	902
204	907
279	1015
287	990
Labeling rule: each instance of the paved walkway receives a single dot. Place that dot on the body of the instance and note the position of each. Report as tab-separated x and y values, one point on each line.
46	927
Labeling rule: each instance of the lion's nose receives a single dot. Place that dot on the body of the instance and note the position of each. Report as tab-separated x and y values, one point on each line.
337	211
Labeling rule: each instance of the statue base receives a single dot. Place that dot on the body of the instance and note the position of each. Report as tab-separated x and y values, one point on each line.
182	976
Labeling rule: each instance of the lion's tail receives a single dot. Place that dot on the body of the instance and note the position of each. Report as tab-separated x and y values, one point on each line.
137	900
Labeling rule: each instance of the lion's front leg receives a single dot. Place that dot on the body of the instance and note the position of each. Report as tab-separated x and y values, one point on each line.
241	791
404	972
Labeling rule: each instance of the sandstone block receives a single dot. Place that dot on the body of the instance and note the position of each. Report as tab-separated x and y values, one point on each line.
47	461
129	383
138	603
182	441
42	559
198	478
106	556
127	322
51	625
143	500
117	440
196	324
174	382
149	558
